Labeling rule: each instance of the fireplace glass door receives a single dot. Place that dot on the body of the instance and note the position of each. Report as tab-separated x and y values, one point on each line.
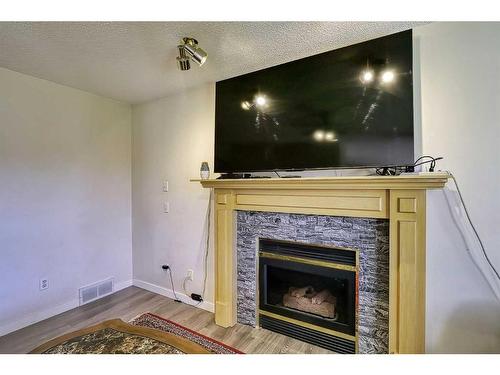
318	292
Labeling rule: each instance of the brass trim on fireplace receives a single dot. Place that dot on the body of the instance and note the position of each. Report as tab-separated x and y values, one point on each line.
312	326
315	244
314	262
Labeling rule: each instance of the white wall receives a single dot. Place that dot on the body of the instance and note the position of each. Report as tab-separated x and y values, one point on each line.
171	137
459	69
65	196
457	117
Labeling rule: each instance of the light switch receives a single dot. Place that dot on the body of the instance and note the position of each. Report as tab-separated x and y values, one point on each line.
165	185
166	207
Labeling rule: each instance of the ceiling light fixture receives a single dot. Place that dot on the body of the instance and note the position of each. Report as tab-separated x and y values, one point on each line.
189	50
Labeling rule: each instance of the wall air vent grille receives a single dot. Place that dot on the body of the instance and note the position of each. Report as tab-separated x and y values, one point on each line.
94	291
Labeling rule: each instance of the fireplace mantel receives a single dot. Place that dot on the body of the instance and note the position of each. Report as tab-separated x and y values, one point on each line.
400	199
426	181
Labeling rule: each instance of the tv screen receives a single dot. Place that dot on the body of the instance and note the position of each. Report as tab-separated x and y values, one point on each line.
350	107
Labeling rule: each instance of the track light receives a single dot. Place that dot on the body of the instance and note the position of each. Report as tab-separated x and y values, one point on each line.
189	50
196	53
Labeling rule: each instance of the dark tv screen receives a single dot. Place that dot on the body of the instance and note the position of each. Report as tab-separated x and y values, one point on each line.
350	107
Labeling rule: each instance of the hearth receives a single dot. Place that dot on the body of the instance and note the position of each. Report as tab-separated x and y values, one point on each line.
309	292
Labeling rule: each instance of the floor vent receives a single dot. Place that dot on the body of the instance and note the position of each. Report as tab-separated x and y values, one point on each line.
92	292
333	343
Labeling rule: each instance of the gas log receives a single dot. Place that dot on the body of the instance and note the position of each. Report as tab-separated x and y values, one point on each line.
308	300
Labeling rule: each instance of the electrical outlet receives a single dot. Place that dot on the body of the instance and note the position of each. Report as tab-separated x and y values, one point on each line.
44	283
190	275
166	207
165	185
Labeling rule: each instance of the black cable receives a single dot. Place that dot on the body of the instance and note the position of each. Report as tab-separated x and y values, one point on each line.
207	246
277	174
433	162
395	170
424	157
172	282
427	157
473	227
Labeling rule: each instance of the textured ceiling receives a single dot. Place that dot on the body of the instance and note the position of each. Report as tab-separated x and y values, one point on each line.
135	62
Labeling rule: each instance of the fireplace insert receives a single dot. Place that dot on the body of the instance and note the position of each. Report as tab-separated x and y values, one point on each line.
309	292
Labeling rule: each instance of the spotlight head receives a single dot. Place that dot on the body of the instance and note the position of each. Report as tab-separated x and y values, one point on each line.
246	105
191	48
367	76
388	76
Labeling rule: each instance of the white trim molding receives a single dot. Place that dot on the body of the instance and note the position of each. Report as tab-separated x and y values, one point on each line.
37	316
208	306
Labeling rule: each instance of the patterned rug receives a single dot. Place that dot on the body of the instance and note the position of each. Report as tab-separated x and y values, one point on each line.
117	337
111	341
153	321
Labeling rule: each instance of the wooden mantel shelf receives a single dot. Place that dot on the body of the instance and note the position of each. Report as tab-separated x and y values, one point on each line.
427	181
400	199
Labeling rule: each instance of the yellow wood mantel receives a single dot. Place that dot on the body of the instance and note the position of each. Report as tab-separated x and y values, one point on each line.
401	199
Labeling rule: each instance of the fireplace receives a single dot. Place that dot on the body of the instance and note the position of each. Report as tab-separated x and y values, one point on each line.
351	212
309	292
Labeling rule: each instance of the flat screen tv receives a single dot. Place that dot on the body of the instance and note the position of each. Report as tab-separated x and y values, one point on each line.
347	108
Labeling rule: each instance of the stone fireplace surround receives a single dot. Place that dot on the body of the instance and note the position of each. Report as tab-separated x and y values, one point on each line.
398	199
369	236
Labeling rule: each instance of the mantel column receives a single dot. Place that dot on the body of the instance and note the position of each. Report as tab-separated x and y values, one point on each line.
225	259
407	271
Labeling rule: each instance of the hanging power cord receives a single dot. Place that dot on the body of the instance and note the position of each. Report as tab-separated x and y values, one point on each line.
205	257
207	245
432	161
173	289
473	227
166	267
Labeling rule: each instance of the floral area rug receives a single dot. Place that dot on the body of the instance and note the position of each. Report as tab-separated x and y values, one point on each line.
153	321
117	337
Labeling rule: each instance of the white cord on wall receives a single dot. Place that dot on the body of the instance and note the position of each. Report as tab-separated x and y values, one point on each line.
480	259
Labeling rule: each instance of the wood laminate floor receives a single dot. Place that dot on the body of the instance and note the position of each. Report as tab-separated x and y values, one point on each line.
130	302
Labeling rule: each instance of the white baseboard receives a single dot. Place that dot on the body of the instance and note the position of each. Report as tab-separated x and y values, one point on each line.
35	317
208	306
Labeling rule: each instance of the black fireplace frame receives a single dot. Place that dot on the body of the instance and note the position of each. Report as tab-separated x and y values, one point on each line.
317	260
